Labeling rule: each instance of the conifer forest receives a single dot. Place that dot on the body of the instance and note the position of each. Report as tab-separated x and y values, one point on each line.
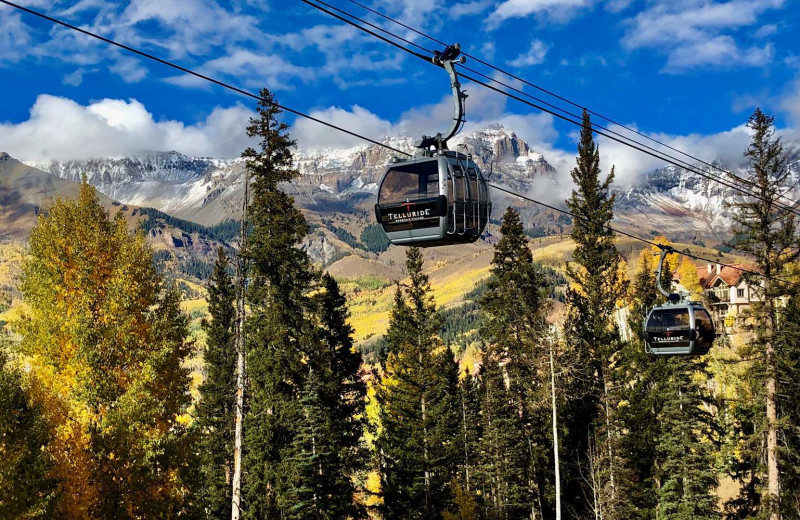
560	413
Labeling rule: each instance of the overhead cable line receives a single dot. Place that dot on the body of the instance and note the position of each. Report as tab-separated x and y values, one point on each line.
598	129
195	74
551	93
640	239
373	141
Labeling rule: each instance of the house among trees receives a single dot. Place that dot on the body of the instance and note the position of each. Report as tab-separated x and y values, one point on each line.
725	290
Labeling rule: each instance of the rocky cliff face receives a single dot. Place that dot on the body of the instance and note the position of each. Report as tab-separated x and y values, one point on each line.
670	200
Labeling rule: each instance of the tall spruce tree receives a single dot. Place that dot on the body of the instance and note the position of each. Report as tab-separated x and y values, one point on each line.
686	479
303	393
667	451
515	420
769	234
277	330
420	413
590	334
326	448
215	411
788	353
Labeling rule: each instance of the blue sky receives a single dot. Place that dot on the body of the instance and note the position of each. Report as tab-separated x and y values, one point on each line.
687	71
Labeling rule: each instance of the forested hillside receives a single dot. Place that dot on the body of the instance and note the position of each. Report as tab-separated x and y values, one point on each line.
513	383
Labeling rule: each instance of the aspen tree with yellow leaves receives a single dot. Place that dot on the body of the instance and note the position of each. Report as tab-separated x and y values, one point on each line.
105	339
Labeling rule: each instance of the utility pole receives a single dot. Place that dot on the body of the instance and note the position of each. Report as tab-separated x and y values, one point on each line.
236	495
555	430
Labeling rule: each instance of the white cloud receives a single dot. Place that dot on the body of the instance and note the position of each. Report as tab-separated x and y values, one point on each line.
695	33
720	51
15	40
131	70
791	102
766	31
314	136
472	8
59	128
631	164
559	10
534	56
75	78
192	27
258	70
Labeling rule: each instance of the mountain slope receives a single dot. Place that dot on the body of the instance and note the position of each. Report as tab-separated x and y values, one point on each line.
24	191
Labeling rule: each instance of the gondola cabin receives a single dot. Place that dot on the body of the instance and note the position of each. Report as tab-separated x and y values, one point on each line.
679	329
433	200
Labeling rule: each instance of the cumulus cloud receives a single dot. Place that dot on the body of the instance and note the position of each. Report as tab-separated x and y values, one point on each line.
469	8
59	128
534	56
790	103
15	38
559	10
696	33
631	165
257	70
314	136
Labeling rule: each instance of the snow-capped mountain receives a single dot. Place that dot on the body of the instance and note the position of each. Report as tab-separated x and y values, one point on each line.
209	190
671	200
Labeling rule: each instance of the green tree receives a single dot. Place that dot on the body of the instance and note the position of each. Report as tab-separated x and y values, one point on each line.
215	411
326	450
769	234
685	452
788	349
668	449
590	334
26	490
420	413
277	330
515	404
106	341
303	394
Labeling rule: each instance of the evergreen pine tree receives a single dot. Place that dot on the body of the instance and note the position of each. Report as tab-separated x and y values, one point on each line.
769	234
667	452
214	415
420	414
515	405
277	330
326	449
303	394
788	352
686	477
591	337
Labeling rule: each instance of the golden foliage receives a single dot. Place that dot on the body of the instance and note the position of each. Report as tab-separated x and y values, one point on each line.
105	345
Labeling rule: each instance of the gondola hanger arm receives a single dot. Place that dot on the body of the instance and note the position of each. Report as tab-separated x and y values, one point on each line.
448	59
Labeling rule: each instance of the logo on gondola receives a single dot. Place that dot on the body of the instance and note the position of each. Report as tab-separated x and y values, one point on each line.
409	216
667	338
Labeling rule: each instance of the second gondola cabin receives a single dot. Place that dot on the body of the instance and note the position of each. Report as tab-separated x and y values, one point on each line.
433	200
679	329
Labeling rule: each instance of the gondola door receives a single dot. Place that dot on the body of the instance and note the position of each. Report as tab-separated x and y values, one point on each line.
460	199
473	211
